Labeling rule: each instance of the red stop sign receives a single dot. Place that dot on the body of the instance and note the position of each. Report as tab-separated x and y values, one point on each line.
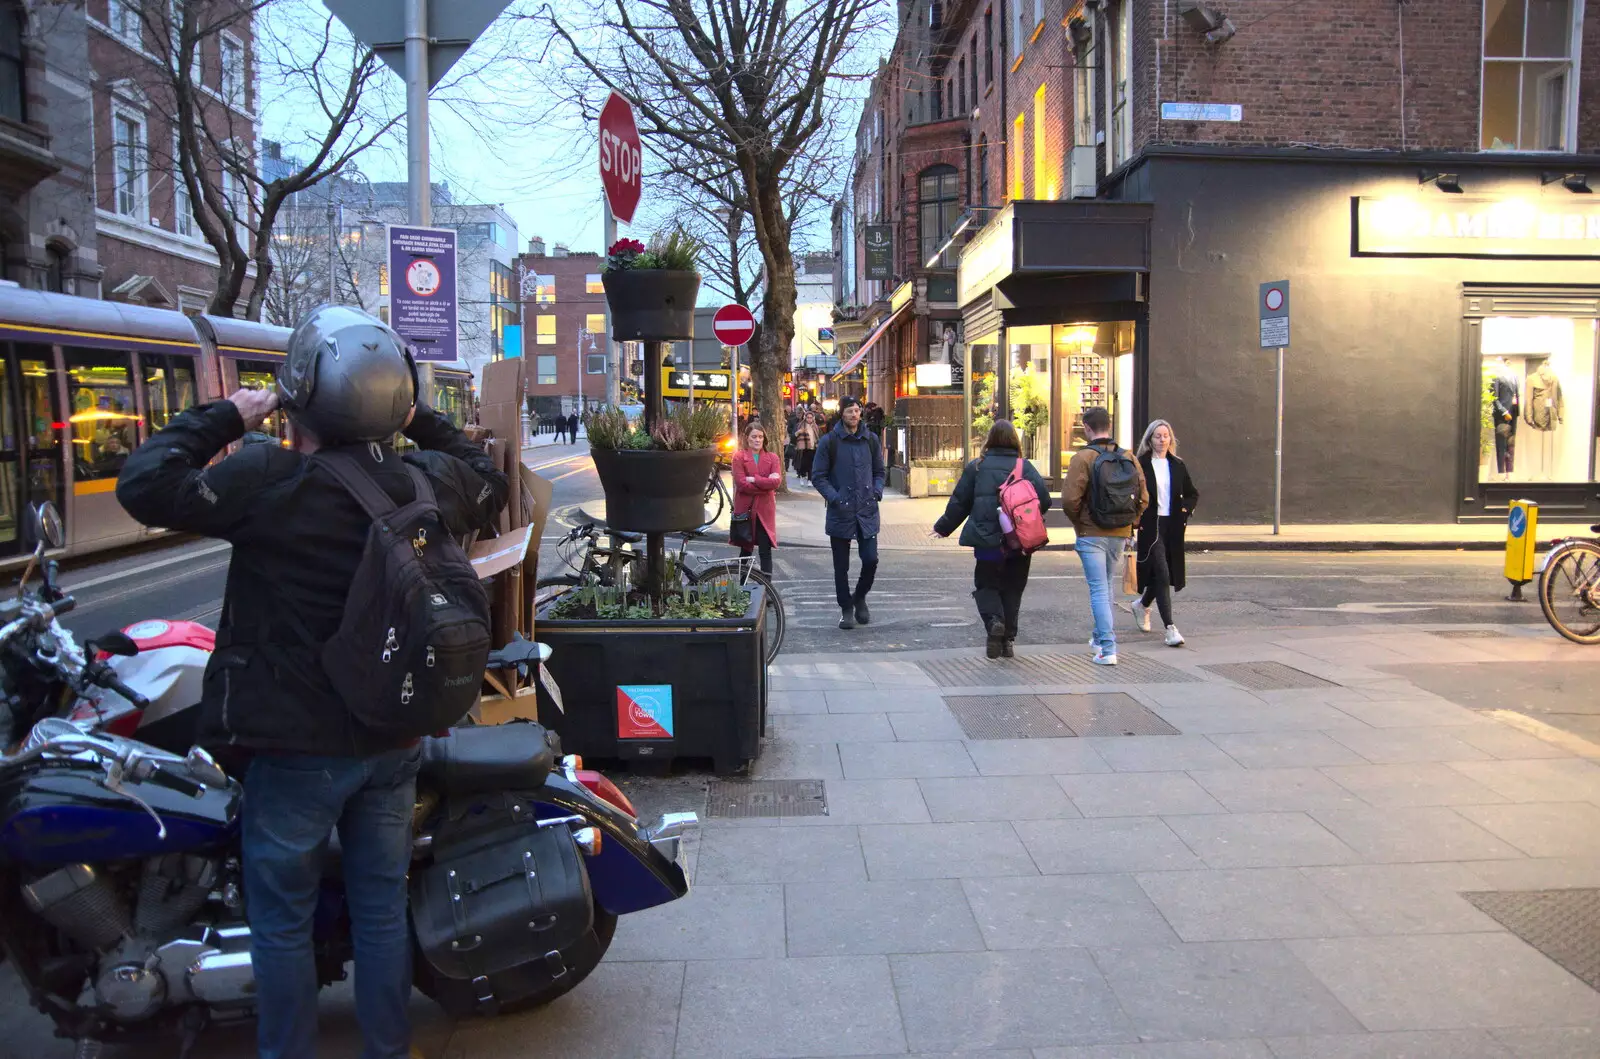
733	325
620	157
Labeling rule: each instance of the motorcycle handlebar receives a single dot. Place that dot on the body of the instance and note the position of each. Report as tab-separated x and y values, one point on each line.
108	679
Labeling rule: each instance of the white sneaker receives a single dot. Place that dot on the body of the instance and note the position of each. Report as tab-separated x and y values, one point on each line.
1174	637
1141	616
1101	658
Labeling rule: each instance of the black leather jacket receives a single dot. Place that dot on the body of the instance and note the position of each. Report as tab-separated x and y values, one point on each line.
297	537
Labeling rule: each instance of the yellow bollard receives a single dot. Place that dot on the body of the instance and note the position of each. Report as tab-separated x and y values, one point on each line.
1522	533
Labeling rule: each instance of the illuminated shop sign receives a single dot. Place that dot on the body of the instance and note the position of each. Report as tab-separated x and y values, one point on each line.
1477	227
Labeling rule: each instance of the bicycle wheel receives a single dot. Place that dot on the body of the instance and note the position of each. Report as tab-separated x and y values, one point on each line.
742	571
716	499
549	588
1569	592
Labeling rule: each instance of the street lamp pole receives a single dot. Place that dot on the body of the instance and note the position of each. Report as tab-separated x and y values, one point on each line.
583	333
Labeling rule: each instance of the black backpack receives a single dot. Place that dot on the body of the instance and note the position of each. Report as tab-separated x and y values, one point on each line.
409	655
1113	488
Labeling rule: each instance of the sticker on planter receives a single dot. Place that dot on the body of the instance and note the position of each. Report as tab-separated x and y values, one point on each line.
644	711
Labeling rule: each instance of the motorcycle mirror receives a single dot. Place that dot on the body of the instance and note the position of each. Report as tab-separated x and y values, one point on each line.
205	768
50	529
114	642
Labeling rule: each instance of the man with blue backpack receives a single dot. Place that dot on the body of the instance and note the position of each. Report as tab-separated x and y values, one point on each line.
1104	496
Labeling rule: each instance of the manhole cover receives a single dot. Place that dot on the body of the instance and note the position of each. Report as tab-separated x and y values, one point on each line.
1106	713
1267	676
1470	634
751	798
1048	669
1562	924
1007	717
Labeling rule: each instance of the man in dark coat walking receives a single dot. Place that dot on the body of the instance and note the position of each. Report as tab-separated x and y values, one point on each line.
849	474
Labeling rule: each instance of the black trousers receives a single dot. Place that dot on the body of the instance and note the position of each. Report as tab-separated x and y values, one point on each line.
802	461
763	543
1505	447
841	568
1158	586
997	586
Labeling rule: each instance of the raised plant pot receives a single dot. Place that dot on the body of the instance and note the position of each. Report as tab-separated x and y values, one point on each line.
651	304
650	491
617	675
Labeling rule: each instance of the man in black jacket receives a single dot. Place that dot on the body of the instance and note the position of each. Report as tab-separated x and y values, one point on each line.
297	538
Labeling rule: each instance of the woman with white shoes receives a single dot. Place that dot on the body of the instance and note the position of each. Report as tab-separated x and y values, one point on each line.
1159	546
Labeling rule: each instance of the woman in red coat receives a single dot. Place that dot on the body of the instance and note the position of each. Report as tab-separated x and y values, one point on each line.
756	474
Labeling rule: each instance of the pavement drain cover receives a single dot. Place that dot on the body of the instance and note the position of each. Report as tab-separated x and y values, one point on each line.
1470	634
766	798
1048	669
1562	924
1106	713
1267	676
1007	717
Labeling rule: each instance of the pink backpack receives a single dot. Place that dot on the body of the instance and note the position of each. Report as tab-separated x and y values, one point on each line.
1021	520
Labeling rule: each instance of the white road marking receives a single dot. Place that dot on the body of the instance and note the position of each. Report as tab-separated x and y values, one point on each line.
1401	608
187	556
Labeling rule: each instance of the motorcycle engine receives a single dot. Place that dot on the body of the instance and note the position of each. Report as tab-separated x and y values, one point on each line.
159	955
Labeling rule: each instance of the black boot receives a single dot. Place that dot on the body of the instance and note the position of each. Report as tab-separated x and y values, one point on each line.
847	618
997	637
863	615
1006	651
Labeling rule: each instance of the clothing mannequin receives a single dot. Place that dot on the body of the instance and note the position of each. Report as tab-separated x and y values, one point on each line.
1505	410
1545	409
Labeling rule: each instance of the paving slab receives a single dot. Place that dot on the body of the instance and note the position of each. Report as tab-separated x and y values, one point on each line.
783	760
1007	1000
715	922
858	919
1138	794
1243	1048
921	725
1505	742
877	761
1119	844
868	802
1537	873
795	702
1273	790
1554	1042
1448	981
882	700
1434	1044
833	727
1548	829
780	854
1413	713
1226	720
1054	911
1035	757
1251	904
1160	753
1398	836
944	851
1561	780
1221	989
1405	898
1265	750
977	798
787	1009
1420	784
1400	746
1260	840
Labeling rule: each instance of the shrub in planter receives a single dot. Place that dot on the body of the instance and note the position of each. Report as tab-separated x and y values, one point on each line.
655	480
652	290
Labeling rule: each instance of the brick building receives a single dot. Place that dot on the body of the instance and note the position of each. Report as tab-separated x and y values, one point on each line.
1139	168
563	321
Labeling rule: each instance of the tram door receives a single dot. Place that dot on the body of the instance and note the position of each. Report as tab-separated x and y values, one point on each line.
30	438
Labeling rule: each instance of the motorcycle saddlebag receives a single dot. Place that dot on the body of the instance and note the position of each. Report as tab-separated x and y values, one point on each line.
503	916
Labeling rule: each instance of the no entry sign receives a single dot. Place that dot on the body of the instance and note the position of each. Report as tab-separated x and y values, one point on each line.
620	157
733	324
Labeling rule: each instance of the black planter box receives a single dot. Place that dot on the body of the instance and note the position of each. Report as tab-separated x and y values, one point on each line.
651	491
612	674
652	304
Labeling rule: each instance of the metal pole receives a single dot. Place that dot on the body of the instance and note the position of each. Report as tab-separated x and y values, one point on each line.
418	180
733	381
333	249
1277	472
691	375
613	355
581	332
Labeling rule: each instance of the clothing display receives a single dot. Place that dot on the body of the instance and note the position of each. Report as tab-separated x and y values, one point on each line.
1507	407
1544	410
1163	480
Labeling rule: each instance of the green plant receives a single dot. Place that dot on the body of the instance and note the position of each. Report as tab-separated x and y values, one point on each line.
677	250
608	429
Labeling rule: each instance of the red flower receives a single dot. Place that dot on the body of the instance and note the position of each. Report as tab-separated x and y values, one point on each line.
626	246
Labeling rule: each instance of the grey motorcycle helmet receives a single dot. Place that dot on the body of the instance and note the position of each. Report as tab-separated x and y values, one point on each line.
347	377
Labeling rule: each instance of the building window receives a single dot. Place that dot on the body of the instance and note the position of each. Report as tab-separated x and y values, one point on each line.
961	77
182	205
1038	16
1529	91
972	70
12	93
595	324
592	284
1043	186
544	290
938	209
1119	88
232	70
128	163
123	18
983	170
175	29
544	330
545	367
934	15
1019	164
383	281
55	277
988	47
1019	26
1083	89
237	194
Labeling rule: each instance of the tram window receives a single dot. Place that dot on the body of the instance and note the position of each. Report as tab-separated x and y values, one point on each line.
104	423
450	401
169	387
41	420
262	375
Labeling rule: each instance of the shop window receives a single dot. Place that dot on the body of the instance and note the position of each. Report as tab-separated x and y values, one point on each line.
983	373
168	387
544	330
939	208
13	95
103	417
1537	414
592	284
1529	90
546	370
1019	132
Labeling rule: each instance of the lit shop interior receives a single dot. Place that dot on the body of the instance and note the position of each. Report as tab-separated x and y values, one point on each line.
1537	416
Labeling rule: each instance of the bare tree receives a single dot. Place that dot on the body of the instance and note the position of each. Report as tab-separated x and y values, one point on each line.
734	96
314	261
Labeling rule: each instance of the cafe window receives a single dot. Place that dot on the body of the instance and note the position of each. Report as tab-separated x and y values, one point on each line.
544	330
546	369
102	412
169	387
939	206
1529	90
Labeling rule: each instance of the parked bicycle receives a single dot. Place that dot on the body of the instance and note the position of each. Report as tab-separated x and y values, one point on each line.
1569	588
589	561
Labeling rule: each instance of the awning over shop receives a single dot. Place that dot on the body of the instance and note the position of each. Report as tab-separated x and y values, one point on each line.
866	347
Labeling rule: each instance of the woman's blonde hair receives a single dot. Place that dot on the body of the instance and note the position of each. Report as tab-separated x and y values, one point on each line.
1144	442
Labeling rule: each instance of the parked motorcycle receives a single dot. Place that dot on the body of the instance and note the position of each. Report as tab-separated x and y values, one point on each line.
122	906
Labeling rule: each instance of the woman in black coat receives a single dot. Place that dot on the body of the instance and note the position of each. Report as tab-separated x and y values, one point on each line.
1160	542
999	575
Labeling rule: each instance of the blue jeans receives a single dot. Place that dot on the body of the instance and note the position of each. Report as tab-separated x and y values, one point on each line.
1101	558
292	803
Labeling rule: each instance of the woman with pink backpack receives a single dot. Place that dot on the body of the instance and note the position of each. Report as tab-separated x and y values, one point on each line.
1002	499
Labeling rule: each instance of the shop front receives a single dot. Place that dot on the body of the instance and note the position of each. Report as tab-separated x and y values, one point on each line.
1053	306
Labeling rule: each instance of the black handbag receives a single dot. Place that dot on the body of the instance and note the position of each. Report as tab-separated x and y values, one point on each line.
741	530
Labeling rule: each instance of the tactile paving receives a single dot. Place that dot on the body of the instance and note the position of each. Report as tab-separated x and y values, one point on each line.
1267	676
1048	669
1562	924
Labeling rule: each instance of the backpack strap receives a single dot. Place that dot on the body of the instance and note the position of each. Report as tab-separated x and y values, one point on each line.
1017	472
348	472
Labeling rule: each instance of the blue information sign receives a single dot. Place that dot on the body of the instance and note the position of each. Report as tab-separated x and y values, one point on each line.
422	290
